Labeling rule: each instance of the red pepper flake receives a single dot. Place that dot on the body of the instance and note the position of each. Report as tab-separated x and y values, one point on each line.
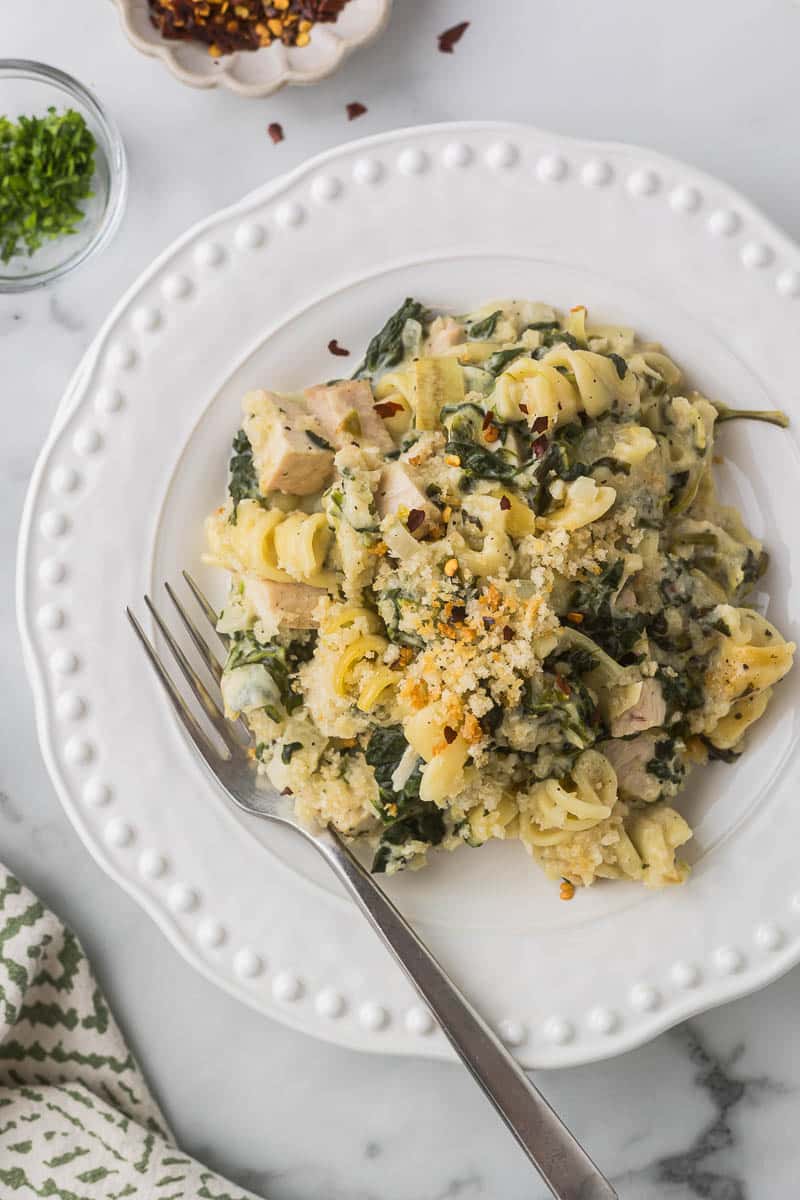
415	518
388	408
355	109
505	503
523	407
539	446
508	633
563	686
539	425
287	791
275	131
450	735
458	613
336	349
448	39
488	420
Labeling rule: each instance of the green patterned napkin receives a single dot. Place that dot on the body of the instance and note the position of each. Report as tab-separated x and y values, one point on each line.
77	1121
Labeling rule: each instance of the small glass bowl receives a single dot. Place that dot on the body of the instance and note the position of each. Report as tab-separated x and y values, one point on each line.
29	89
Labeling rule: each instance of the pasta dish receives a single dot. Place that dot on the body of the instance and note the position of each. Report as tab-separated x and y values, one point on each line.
484	589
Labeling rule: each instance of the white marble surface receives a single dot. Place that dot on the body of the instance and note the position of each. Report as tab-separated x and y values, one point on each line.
708	1111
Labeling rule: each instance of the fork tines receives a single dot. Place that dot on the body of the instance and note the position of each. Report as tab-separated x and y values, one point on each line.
211	704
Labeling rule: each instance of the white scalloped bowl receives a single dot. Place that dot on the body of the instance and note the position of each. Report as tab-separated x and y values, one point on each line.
258	72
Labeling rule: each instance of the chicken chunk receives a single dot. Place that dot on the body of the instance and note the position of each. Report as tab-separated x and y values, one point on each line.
284	605
346	413
289	451
444	334
648	711
398	489
629	759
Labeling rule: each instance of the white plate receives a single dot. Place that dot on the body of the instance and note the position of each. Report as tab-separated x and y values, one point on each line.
258	72
453	214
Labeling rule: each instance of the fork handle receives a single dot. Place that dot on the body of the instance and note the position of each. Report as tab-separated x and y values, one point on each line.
562	1162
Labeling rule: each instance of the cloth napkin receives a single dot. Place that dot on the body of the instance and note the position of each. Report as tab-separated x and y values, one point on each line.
77	1121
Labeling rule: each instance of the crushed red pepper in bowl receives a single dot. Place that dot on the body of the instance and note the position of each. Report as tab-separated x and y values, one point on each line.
228	25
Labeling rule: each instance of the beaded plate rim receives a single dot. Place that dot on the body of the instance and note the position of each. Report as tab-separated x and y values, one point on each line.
770	948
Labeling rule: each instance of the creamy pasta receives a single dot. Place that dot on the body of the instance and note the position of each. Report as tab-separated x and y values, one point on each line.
484	589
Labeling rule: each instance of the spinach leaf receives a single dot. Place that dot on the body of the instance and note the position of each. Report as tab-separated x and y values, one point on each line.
575	661
288	750
244	650
498	361
384	750
386	348
753	568
425	824
480	463
406	817
243	483
772	417
552	337
398	600
615	632
715	754
684	690
666	764
567	705
620	364
484	328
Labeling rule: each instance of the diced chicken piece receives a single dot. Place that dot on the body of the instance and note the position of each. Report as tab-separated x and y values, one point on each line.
284	605
629	759
397	489
444	334
649	710
346	413
286	455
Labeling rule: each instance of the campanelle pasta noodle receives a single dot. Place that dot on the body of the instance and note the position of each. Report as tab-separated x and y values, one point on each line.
484	590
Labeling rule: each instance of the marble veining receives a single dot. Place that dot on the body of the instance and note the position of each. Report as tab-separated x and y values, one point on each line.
706	1112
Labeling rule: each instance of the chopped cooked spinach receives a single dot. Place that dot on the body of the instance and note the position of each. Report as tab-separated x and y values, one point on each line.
574	661
426	825
479	463
406	818
683	690
567	705
387	348
716	754
243	483
244	650
288	750
385	748
484	328
553	337
755	565
398	599
666	764
615	632
498	361
620	364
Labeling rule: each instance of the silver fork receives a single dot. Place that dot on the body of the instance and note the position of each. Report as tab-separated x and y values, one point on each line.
562	1162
